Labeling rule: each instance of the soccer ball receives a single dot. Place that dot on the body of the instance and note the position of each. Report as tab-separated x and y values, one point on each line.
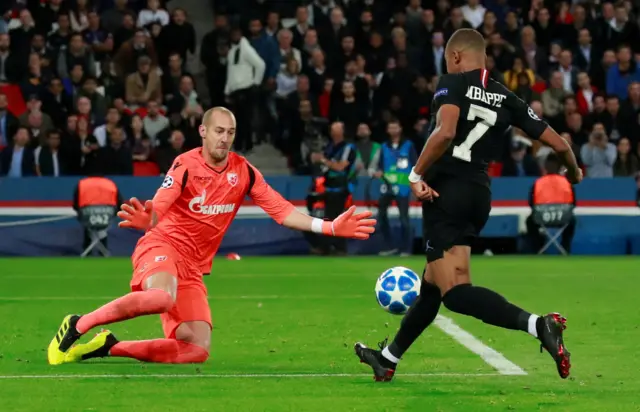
396	289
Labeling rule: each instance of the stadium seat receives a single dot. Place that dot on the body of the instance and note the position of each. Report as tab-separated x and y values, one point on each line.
553	216
145	169
96	219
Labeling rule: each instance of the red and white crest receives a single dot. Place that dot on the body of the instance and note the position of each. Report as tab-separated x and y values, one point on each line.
232	178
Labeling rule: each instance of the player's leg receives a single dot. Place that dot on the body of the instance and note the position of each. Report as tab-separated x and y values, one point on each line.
451	274
154	293
187	329
419	316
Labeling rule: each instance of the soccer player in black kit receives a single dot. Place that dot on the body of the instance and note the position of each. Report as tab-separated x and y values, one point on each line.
471	114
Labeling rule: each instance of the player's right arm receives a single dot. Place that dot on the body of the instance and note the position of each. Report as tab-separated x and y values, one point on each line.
137	216
537	129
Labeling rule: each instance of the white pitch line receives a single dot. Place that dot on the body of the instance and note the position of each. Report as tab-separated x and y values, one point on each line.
239	376
221	297
491	356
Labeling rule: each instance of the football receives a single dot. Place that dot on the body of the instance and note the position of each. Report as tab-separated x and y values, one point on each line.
396	289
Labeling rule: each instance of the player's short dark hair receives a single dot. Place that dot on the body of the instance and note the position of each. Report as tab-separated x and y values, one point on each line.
466	39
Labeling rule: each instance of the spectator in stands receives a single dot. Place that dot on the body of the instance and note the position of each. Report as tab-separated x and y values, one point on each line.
124	33
586	54
585	94
287	80
100	40
8	122
140	142
79	15
154	122
598	154
511	77
612	119
61	37
619	76
568	71
21	36
535	54
34	109
179	36
627	163
456	21
473	13
116	158
553	97
84	148
367	149
301	27
49	158
10	67
520	163
245	71
113	121
622	29
127	57
186	102
629	111
152	14
434	63
349	111
143	85
112	19
99	103
576	130
166	155
287	51
76	54
16	160
268	50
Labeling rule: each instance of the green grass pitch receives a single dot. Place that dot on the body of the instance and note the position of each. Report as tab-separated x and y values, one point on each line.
294	320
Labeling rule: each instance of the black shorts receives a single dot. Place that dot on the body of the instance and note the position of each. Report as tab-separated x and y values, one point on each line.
456	217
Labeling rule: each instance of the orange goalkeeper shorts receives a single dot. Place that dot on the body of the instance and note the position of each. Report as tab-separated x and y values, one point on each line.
191	300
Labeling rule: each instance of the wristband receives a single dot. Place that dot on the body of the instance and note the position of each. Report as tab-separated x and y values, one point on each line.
316	225
414	177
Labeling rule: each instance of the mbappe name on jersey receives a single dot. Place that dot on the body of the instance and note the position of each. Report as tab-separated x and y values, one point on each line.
493	99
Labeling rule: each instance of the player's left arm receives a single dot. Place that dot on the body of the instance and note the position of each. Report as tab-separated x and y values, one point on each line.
349	224
448	95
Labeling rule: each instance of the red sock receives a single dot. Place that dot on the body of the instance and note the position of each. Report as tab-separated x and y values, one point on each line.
129	306
160	351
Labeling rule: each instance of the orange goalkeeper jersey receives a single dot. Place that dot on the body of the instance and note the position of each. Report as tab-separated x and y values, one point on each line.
196	204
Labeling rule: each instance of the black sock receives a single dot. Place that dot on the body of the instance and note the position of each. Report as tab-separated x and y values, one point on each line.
486	305
415	321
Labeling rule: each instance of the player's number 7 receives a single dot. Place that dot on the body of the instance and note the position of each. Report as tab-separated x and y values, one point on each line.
487	119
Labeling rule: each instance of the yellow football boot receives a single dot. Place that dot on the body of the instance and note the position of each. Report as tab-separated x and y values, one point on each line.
63	340
98	347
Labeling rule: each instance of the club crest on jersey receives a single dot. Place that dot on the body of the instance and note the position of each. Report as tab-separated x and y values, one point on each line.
441	92
232	178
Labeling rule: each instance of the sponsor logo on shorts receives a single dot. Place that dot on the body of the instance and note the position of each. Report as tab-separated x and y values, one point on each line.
197	205
232	178
441	92
160	258
168	182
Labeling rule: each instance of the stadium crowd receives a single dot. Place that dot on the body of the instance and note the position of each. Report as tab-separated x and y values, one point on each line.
102	87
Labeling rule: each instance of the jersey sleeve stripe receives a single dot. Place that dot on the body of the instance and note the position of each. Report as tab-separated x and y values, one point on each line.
252	178
484	77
